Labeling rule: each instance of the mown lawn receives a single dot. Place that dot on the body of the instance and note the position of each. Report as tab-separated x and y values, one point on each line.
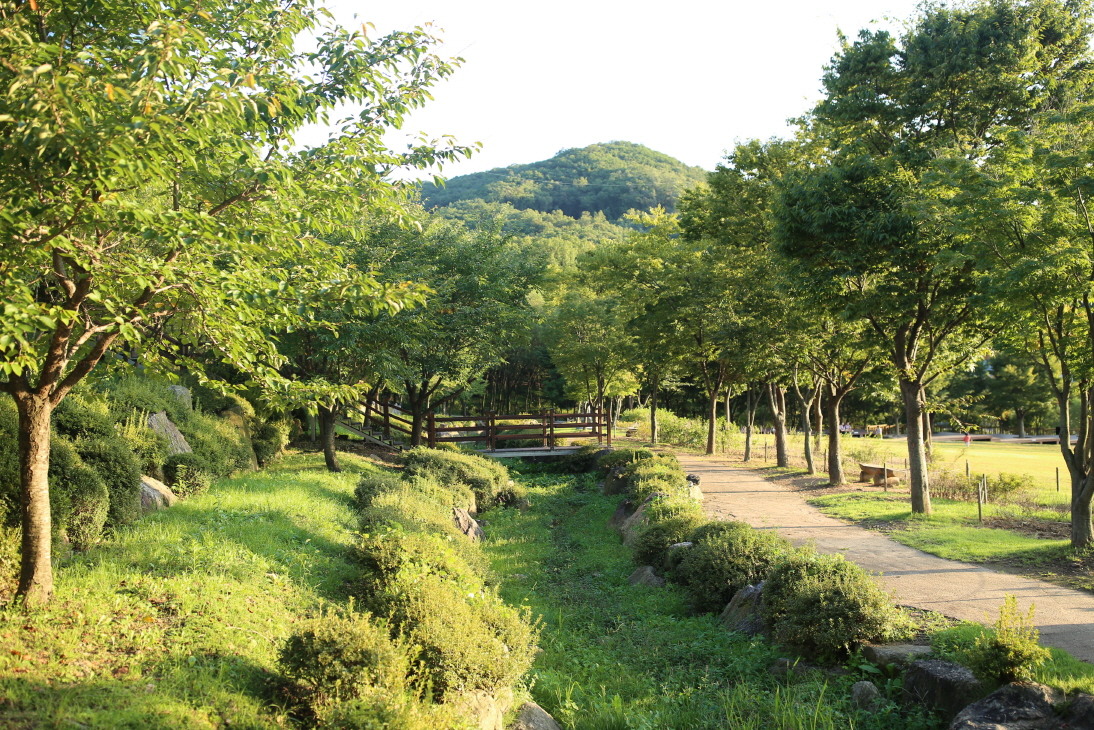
177	622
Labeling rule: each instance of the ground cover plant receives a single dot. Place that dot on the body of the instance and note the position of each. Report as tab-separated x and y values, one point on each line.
177	622
621	656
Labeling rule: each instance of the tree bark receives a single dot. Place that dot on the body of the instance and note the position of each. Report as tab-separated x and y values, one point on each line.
918	479
36	566
327	434
835	448
1021	415
750	419
776	395
654	435
712	418
818	407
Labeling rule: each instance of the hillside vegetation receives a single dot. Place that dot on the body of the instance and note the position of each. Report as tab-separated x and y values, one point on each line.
610	178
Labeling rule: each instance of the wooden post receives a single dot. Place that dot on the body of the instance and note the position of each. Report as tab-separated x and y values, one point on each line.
599	431
491	432
968	474
608	425
543	426
1057	479
765	449
387	419
825	457
551	429
432	426
885	475
981	495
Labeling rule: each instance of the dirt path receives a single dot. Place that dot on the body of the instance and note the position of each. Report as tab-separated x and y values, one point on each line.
961	590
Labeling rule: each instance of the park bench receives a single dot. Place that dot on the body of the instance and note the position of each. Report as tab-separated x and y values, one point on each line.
876	473
632	432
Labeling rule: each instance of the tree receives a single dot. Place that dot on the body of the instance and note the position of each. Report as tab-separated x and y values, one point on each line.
477	309
147	172
873	220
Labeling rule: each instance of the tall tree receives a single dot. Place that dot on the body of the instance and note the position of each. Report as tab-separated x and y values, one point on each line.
870	219
147	168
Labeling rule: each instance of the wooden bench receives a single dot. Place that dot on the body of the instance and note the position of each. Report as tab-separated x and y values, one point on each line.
876	473
632	432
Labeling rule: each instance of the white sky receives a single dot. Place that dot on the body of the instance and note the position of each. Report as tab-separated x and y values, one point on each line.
687	78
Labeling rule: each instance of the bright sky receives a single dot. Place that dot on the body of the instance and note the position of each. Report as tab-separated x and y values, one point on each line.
687	78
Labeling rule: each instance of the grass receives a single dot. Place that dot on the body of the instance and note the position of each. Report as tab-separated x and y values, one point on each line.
621	656
177	622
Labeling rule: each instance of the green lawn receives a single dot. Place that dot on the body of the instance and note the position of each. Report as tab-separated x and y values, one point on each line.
177	622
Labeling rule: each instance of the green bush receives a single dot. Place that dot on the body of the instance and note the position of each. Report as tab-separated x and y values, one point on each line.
724	558
131	392
1010	653
149	446
223	449
660	474
608	460
652	542
380	711
486	477
371	485
582	460
270	439
120	470
78	416
187	474
824	605
673	507
395	555
466	642
344	656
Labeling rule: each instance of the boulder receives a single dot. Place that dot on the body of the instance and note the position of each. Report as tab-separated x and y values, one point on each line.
633	524
235	418
942	686
622	512
1079	714
898	655
176	442
1017	706
467	524
484	710
695	493
865	694
155	495
694	479
680	546
646	576
614	482
744	612
533	717
182	394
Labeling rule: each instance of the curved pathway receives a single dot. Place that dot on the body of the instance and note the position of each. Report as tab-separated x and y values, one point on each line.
1064	616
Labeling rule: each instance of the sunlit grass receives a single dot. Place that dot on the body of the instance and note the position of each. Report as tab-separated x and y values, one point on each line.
177	621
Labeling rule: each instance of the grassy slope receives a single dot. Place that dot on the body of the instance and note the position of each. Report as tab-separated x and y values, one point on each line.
177	623
617	656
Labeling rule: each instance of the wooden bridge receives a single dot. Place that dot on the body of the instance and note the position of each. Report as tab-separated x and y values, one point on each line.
508	436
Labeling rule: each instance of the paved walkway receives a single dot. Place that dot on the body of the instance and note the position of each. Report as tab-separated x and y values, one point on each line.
1064	616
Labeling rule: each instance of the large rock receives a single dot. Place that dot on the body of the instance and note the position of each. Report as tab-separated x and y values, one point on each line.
235	418
534	717
633	524
467	524
942	686
1017	706
898	655
155	495
744	612
486	711
614	482
176	442
182	394
646	576
865	694
1080	712
622	512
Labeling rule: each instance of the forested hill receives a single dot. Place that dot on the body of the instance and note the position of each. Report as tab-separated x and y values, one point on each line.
611	178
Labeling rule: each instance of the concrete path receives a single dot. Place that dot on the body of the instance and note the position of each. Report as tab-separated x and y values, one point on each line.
1064	616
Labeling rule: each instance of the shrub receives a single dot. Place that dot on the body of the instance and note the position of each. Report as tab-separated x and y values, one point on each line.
393	555
608	460
78	416
149	446
486	477
724	558
466	642
380	711
1011	652
652	542
111	457
582	460
79	500
187	474
270	439
824	605
371	485
674	507
223	448
343	656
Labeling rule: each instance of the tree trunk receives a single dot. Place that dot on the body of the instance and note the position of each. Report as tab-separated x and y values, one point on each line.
807	432
653	415
729	414
1082	530
712	414
928	430
818	408
776	395
750	418
1021	423
918	479
835	448
36	567
327	417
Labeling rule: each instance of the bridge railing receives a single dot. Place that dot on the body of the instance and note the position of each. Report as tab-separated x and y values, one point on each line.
499	431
